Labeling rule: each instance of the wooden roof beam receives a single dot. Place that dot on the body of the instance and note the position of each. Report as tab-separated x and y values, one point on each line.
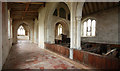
31	2
26	8
90	7
86	8
26	11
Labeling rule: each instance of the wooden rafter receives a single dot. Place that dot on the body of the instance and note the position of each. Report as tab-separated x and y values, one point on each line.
108	4
31	2
26	11
101	7
86	8
90	6
26	8
97	6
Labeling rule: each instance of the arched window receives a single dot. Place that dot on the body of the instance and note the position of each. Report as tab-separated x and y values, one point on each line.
9	28
9	25
89	28
55	12
60	29
62	13
21	30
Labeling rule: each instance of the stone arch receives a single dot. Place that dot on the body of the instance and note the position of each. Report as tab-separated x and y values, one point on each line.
65	25
54	6
63	9
49	14
16	25
64	5
62	13
23	23
84	19
51	10
26	27
79	8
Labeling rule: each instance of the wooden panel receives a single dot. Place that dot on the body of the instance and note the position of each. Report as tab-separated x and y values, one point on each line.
58	49
67	52
80	56
91	60
75	54
88	58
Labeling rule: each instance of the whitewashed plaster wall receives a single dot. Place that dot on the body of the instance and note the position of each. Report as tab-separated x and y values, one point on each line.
36	31
106	27
6	42
0	36
75	11
17	23
41	23
49	13
65	24
46	23
54	21
51	20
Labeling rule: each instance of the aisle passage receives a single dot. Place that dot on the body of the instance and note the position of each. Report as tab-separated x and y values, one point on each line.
26	55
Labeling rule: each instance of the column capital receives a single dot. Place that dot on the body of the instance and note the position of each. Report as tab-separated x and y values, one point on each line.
78	17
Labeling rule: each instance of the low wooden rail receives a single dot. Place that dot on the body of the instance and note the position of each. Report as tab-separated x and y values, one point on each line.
87	58
95	60
58	49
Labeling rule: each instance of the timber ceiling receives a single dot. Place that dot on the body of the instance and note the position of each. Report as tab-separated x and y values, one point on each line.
24	10
29	10
93	7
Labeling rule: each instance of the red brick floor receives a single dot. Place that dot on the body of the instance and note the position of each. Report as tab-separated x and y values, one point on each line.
26	55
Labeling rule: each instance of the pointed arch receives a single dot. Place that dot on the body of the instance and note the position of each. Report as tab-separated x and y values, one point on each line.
21	30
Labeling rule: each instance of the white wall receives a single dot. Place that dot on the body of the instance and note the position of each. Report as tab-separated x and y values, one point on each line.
0	35
17	23
51	21
106	27
6	42
41	22
36	31
54	21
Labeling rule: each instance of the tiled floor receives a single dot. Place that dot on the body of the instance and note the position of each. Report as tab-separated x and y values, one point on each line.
26	55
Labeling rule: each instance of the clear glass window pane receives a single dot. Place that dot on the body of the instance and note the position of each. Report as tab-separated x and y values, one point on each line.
85	29
89	27
21	30
93	27
60	29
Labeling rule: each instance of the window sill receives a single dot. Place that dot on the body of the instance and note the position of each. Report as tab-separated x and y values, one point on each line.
88	36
